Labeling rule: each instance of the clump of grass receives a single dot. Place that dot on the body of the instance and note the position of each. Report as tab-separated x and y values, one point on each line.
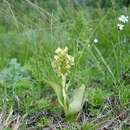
10	121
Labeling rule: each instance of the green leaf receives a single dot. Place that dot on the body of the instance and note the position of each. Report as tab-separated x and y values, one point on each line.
7	129
58	90
77	101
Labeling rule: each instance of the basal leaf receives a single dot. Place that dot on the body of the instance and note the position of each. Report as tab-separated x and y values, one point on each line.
77	101
58	90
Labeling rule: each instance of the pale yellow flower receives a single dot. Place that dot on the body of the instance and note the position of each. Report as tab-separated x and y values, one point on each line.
62	61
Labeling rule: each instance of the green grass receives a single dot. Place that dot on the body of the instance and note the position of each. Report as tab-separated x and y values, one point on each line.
31	36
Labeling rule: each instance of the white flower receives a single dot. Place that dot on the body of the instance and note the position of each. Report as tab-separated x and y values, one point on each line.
88	45
120	26
123	19
95	40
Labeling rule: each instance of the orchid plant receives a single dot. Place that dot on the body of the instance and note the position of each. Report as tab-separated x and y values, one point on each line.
62	64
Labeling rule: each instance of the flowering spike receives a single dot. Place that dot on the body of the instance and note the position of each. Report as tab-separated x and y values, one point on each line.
62	61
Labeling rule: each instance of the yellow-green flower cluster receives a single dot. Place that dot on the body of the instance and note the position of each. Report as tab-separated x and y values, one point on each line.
62	61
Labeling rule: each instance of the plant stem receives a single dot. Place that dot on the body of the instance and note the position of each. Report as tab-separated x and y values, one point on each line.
64	92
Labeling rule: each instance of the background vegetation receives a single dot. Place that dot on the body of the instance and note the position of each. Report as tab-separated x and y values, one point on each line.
31	30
